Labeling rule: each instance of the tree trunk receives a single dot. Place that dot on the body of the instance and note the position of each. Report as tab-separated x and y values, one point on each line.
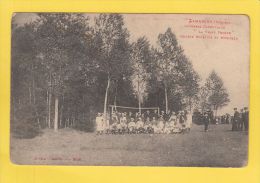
61	114
216	111
139	97
139	104
115	103
56	118
33	90
47	107
190	104
49	110
49	90
30	95
105	103
166	99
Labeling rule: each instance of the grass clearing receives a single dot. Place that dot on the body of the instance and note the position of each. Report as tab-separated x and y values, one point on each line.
219	147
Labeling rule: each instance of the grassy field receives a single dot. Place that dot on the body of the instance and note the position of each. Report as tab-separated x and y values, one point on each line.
219	147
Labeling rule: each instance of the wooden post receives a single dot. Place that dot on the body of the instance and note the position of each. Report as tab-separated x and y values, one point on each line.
56	114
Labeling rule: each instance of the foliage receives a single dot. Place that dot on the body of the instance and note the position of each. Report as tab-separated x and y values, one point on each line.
218	95
87	67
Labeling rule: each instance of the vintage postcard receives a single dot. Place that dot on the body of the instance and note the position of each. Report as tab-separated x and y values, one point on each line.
130	89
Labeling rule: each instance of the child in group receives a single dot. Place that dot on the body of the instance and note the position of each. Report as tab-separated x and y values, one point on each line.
140	125
114	125
160	126
131	126
106	124
154	124
148	126
177	127
123	123
168	127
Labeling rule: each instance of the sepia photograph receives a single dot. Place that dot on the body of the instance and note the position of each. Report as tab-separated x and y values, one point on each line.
116	89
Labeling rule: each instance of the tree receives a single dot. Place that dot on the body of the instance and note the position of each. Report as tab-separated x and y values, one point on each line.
169	58
218	95
57	35
188	82
113	49
25	118
140	57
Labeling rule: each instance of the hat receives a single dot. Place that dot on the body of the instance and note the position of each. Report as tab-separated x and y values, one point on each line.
245	108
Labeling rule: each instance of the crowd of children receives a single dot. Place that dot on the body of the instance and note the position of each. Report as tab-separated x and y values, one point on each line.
149	123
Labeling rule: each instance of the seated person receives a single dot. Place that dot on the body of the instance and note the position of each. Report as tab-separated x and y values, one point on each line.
131	126
140	125
154	123
168	127
173	117
160	126
129	116
177	127
113	127
148	126
114	117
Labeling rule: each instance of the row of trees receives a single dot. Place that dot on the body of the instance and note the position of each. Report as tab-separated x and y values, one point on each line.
65	70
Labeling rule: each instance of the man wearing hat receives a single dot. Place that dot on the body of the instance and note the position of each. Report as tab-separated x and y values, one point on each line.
235	120
246	118
240	121
206	120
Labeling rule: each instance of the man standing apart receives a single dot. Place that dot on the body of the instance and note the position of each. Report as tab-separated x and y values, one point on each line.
235	120
206	120
246	118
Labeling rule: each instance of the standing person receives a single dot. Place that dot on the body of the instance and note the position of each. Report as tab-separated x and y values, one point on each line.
99	124
168	115
163	116
147	115
188	121
129	116
155	114
173	117
235	120
206	120
246	118
123	123
227	119
182	120
240	121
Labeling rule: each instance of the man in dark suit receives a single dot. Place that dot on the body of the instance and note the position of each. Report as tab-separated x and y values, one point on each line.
246	118
235	120
206	120
240	121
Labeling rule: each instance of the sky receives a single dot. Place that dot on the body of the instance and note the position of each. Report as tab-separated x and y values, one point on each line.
197	35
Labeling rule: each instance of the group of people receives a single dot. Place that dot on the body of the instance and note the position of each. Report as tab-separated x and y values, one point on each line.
240	119
147	122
